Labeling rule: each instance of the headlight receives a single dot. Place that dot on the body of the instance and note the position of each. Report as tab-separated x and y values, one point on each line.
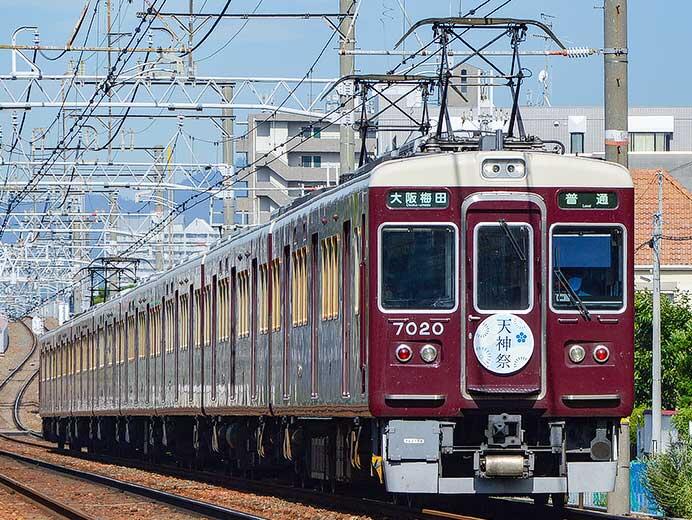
577	353
601	353
404	353
428	353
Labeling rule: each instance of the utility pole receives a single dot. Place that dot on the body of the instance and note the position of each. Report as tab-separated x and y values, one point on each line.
656	329
228	159
615	75
347	34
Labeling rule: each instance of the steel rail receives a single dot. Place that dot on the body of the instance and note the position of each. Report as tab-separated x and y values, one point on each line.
177	501
16	419
46	502
26	359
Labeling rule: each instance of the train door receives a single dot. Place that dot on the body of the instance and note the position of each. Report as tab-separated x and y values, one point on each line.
504	309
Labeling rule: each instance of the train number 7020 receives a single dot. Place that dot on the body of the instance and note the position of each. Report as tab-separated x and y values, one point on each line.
425	328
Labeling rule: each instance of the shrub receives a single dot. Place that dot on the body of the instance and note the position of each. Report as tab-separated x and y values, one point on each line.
669	477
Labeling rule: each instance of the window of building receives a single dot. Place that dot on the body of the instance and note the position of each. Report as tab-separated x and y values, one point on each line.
503	267
311	131
241	218
240	160
243	298
576	142
329	271
650	141
240	189
464	81
299	287
311	161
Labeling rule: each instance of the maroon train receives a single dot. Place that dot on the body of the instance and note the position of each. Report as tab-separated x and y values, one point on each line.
456	322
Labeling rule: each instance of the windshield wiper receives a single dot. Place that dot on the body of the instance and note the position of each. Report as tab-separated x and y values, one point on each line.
512	240
573	296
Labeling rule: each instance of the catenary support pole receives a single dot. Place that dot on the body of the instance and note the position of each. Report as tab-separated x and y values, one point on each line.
615	74
347	37
228	159
656	328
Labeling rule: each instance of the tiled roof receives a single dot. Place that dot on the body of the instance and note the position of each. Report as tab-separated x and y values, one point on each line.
677	218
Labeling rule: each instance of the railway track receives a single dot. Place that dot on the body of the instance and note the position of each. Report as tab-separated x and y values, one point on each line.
16	403
467	508
187	506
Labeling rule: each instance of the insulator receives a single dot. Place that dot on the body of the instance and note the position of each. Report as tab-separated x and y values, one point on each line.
579	52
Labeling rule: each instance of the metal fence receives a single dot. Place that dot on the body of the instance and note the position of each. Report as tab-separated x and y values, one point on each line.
641	500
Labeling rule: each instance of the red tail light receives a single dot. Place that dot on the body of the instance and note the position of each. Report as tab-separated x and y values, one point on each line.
404	353
601	353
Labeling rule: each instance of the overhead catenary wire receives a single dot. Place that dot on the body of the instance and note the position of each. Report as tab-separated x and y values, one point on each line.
200	197
104	88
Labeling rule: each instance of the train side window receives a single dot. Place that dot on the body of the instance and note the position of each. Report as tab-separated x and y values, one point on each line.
184	321
207	315
276	294
197	319
121	343
299	287
263	298
131	326
102	347
222	296
243	298
142	335
503	270
588	268
329	264
356	269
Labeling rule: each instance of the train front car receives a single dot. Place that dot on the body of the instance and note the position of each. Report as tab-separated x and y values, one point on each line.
501	332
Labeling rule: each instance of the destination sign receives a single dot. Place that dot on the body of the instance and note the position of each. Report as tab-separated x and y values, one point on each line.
587	200
417	199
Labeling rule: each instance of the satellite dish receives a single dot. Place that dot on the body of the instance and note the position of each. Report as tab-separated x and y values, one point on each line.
543	76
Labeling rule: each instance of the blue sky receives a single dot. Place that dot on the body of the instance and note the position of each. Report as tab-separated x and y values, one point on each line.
270	48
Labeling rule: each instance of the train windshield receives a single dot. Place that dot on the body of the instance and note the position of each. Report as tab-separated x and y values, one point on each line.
503	266
417	267
588	267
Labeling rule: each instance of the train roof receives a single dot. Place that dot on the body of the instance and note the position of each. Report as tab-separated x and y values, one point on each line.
459	169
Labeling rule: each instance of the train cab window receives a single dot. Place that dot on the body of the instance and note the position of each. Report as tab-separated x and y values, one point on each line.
503	267
417	267
587	268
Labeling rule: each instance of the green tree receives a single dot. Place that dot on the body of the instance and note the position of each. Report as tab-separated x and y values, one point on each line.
676	350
